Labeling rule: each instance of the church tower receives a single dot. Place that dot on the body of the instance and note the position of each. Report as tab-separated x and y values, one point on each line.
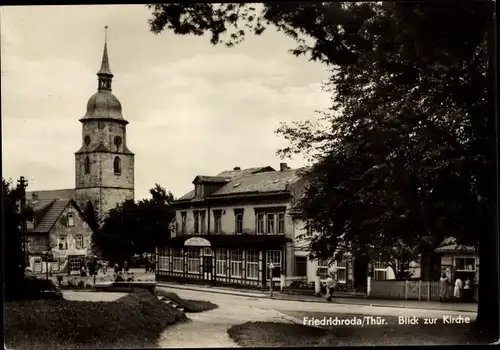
104	166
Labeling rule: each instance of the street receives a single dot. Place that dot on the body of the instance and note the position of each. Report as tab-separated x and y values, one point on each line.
236	302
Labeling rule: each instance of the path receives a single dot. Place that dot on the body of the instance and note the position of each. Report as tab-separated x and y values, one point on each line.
209	328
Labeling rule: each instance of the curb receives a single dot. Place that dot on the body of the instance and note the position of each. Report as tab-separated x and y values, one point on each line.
277	297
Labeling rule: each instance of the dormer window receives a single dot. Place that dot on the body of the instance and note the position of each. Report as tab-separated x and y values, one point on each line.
198	190
71	219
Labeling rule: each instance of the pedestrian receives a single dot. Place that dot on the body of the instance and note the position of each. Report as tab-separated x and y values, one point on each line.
457	293
331	283
125	266
468	290
444	283
117	268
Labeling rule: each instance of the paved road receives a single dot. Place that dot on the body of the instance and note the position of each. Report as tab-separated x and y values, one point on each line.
235	302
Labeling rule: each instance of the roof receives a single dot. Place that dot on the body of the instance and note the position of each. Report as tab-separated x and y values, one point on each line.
51	215
454	248
247	181
49	206
47	197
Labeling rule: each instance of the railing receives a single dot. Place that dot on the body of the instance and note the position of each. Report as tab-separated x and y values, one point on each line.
409	290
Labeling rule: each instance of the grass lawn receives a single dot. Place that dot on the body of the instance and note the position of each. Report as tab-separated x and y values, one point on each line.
135	320
255	334
188	305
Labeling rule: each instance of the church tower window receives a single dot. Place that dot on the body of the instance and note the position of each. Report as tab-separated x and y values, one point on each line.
86	165
87	140
117	165
118	142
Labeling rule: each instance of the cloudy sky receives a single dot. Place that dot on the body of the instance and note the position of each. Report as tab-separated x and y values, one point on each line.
193	109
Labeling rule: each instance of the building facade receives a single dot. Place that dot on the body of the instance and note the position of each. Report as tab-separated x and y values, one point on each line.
58	239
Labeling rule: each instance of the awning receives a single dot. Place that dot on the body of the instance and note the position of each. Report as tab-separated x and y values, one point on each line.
234	241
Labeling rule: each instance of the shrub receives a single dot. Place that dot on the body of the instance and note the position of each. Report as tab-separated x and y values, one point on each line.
81	284
72	283
88	285
59	279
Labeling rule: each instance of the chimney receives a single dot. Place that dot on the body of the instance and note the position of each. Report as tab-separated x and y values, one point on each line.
236	168
283	167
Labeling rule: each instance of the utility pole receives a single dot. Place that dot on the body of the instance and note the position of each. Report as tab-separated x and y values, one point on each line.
22	183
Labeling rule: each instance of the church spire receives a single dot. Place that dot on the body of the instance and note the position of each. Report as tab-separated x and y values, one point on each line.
104	73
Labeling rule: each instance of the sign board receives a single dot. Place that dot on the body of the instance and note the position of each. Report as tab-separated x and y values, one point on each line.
197	242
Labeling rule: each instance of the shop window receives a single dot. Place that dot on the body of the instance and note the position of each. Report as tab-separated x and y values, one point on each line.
236	261
193	260
252	260
221	259
178	260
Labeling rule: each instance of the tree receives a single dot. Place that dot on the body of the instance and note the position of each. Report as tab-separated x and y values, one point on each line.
13	256
407	151
93	220
136	227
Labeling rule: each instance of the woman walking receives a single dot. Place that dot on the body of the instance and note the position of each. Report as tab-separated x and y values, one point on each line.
444	283
457	293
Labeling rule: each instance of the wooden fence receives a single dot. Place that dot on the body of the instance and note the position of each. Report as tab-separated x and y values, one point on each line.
409	290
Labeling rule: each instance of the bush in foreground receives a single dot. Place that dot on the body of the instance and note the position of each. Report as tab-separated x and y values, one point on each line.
135	320
186	304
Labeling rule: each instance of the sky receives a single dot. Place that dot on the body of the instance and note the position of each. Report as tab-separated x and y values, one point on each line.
194	109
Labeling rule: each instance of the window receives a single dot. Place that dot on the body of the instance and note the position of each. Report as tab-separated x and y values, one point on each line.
183	222
238	216
193	260
342	271
71	219
202	221
221	259
63	244
196	223
379	271
86	165
86	139
270	223
163	259
117	166
281	223
260	223
323	267
236	262
79	242
37	241
252	264
177	260
301	266
465	264
118	142
274	256
217	221
309	230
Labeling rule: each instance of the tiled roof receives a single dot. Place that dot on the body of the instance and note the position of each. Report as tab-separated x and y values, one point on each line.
454	248
48	207
47	197
251	180
272	181
51	215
